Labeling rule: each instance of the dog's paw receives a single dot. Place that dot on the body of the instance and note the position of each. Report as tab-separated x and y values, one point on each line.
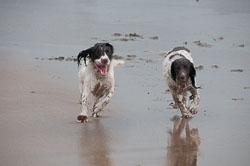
174	105
95	115
187	115
82	118
193	110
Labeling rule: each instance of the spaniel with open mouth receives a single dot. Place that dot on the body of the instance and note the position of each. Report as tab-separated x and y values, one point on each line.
179	73
96	79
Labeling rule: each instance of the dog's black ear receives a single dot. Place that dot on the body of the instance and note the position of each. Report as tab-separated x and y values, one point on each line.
192	74
173	73
112	48
83	54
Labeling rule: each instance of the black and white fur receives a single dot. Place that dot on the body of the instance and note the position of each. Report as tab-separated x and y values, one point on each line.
179	73
96	79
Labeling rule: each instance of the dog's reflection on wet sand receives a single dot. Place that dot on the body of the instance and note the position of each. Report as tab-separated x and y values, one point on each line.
183	144
95	144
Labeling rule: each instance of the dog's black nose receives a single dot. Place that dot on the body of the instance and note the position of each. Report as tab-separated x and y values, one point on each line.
104	61
182	77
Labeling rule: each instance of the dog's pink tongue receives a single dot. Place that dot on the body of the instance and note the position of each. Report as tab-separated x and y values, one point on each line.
104	70
185	85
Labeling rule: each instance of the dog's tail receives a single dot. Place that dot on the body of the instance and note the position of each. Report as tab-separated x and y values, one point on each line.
117	63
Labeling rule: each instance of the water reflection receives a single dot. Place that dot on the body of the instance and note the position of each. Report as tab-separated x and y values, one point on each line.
183	144
95	144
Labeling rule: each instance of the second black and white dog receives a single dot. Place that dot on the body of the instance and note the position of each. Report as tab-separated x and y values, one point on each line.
96	78
179	73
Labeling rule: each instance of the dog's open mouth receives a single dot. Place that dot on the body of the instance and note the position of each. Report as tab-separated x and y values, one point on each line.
182	84
103	68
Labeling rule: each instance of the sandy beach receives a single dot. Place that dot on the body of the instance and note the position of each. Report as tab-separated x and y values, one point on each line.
39	96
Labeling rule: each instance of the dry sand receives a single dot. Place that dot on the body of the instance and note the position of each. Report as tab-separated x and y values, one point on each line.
39	92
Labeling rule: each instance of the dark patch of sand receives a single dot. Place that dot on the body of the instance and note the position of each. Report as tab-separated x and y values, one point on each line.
118	57
237	70
60	58
215	66
219	38
200	67
202	44
154	38
237	99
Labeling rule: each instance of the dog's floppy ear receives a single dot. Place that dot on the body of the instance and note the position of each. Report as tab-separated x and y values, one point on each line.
192	74
83	54
112	48
173	73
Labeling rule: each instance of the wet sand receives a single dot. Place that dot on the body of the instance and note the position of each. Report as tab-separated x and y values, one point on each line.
39	92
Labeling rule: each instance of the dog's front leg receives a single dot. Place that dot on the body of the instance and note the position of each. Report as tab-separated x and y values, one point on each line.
184	98
180	105
83	116
184	111
175	98
81	90
102	102
195	102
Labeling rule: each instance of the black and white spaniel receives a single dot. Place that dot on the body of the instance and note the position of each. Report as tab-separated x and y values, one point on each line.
179	73
96	79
